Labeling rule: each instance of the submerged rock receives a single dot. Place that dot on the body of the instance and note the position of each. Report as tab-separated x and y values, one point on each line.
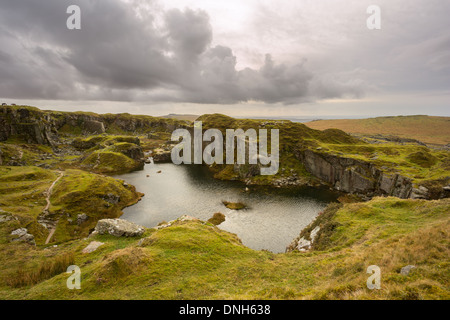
119	228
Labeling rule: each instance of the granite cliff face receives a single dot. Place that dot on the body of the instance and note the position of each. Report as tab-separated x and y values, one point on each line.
43	127
34	126
356	176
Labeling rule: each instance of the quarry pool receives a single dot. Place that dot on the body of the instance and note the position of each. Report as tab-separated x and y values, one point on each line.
274	217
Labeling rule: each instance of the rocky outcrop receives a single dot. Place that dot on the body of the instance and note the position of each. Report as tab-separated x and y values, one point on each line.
43	127
378	138
6	216
133	151
94	127
162	155
183	218
22	235
303	244
32	125
357	176
119	228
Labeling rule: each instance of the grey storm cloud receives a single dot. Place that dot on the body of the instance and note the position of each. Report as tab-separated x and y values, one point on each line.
125	54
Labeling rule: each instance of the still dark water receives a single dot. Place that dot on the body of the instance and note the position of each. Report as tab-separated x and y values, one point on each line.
274	218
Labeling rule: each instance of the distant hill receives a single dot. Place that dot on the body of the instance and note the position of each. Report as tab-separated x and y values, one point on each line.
428	129
189	117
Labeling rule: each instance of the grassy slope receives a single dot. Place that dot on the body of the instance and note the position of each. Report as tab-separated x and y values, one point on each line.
196	260
433	130
23	195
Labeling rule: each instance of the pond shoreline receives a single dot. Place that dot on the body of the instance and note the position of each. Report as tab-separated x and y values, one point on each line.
273	218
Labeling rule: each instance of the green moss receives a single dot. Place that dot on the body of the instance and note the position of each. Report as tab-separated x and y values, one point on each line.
98	197
110	162
103	141
234	205
217	218
23	190
422	158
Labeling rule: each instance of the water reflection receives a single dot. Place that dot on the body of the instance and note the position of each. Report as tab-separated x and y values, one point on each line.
274	218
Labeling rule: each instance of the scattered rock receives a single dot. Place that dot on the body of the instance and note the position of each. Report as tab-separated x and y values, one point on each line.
419	193
22	235
181	219
406	270
94	245
119	228
5	216
302	244
111	198
82	218
186	218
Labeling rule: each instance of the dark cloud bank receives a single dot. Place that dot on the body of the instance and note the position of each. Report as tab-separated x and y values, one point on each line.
124	53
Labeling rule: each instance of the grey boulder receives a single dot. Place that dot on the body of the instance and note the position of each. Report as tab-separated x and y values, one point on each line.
94	245
22	235
406	270
119	228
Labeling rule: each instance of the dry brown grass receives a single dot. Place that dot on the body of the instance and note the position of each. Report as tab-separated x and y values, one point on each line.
45	270
433	130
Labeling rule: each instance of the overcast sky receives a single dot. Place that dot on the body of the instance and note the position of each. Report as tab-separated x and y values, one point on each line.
242	58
